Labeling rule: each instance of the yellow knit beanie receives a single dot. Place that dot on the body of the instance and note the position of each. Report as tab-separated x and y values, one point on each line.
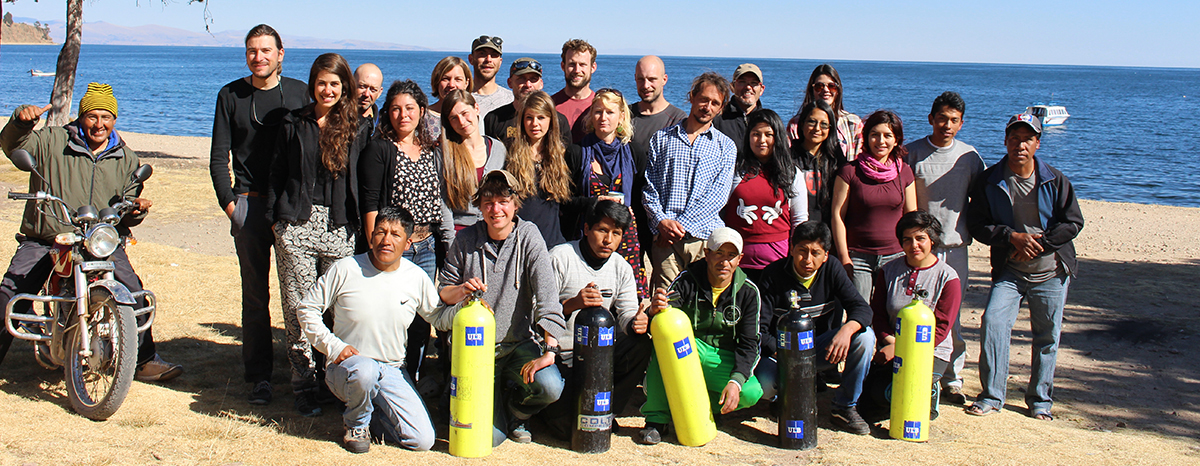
98	96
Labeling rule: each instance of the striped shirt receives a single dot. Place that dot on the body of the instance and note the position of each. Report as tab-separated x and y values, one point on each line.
689	182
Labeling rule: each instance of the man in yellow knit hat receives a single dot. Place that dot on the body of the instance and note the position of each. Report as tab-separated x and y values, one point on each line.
84	162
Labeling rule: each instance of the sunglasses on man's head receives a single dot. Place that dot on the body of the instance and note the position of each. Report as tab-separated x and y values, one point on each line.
518	66
485	39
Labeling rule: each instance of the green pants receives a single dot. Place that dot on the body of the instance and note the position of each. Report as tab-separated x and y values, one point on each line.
717	365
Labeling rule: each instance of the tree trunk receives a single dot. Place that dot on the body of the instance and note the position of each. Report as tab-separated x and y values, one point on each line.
68	58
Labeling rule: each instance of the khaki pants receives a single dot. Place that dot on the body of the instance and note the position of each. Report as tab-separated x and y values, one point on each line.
669	261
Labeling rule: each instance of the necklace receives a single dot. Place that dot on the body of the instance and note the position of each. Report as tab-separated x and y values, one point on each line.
254	108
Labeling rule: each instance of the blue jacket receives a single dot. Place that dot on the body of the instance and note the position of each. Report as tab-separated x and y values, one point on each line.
990	215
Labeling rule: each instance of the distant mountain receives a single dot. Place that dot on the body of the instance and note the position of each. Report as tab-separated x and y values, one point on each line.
152	34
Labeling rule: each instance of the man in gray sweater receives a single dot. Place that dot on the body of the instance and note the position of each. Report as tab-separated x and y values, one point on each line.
505	257
944	168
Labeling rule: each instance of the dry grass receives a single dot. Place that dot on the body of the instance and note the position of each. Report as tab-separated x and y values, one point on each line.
202	418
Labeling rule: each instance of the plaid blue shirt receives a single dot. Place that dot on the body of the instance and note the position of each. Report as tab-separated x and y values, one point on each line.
689	182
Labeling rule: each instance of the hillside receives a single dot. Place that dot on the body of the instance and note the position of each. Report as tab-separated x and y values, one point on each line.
23	33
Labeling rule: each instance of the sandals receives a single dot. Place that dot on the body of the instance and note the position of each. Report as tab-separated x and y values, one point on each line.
1042	415
981	409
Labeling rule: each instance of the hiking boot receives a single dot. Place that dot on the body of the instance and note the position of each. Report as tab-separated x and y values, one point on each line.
954	395
306	404
519	433
157	370
260	394
357	440
652	434
847	419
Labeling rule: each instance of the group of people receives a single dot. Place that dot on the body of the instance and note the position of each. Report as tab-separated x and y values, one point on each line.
385	219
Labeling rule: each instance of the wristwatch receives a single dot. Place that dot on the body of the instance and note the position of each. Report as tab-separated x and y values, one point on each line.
553	349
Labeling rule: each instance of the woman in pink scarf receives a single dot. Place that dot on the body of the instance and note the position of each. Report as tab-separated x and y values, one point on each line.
869	196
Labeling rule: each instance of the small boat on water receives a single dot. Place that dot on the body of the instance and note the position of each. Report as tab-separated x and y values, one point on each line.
40	73
1051	114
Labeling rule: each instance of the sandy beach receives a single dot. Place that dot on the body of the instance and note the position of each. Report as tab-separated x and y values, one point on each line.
1127	390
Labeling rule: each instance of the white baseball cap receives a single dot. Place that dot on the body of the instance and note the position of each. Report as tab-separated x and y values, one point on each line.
724	235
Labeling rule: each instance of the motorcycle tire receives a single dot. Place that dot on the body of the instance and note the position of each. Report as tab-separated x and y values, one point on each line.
97	385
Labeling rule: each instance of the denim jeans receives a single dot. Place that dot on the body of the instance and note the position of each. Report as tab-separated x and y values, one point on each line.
957	259
1046	300
858	362
865	266
420	253
381	397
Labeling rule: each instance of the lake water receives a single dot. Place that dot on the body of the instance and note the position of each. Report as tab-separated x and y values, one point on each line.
1128	128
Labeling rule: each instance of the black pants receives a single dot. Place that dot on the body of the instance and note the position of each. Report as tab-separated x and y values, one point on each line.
253	238
31	266
631	355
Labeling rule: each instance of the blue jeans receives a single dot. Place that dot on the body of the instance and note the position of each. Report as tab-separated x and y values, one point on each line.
865	266
858	362
420	253
381	397
1046	302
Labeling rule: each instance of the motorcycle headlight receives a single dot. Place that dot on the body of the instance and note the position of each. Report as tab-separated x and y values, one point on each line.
102	240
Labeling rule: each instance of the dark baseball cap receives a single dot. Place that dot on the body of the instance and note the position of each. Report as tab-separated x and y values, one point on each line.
493	43
1033	122
524	65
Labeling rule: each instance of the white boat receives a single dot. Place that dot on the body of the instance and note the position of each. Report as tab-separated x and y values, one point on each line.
1050	114
40	73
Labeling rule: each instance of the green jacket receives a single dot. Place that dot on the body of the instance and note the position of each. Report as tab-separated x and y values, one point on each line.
731	325
73	173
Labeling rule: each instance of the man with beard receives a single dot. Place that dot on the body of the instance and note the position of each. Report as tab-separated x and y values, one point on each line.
524	77
748	88
575	98
689	172
486	58
370	85
648	116
249	111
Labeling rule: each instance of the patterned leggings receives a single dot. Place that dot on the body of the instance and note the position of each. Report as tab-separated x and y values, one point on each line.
303	251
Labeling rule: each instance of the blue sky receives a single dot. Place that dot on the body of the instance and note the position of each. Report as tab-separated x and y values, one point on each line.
1104	32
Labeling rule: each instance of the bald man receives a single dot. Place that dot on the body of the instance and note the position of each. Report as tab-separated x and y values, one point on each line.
370	85
649	115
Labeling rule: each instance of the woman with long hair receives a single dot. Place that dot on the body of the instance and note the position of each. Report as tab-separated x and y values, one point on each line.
825	85
604	168
768	196
538	162
869	197
313	201
818	156
449	74
466	156
401	167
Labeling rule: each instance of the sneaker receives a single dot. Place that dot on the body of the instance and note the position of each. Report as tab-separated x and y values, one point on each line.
519	433
848	420
954	395
260	394
157	370
357	440
651	434
306	404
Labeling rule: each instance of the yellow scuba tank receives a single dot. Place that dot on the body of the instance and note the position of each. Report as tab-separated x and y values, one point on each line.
687	396
912	370
472	379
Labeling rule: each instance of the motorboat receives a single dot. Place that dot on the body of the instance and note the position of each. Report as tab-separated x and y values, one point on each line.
1051	114
40	73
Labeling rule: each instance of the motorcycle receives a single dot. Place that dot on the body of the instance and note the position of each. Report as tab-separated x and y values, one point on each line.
88	320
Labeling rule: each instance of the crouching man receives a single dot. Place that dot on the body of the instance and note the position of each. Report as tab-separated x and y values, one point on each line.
374	298
723	307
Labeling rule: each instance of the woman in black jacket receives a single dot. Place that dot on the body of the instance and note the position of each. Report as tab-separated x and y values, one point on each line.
313	202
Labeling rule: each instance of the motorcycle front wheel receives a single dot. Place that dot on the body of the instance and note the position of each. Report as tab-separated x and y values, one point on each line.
97	383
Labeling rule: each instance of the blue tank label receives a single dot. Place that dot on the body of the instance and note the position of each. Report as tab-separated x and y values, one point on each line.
804	340
581	335
897	327
782	339
454	386
896	363
924	333
603	402
474	336
912	430
683	348
605	336
795	429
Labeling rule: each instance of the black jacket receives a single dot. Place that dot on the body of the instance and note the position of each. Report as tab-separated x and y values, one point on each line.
832	292
692	293
990	215
295	165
